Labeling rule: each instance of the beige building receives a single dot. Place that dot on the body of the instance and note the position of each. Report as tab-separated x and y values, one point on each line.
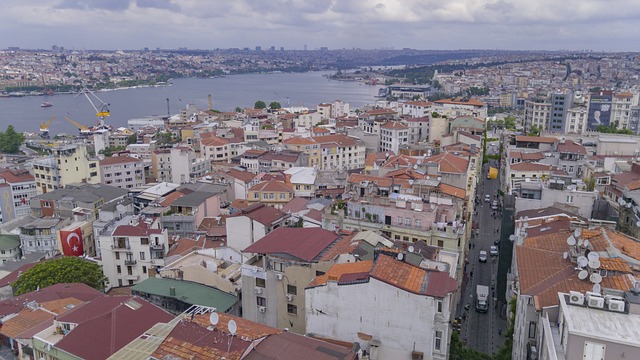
341	151
67	164
161	165
271	192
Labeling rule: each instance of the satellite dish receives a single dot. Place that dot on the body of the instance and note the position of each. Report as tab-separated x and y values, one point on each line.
232	327
526	218
415	166
526	225
521	218
576	233
583	274
638	224
579	242
571	240
214	318
565	255
512	237
595	278
586	243
411	249
593	256
596	288
582	261
620	201
400	256
594	264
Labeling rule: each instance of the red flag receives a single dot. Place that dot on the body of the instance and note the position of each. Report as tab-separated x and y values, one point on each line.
72	242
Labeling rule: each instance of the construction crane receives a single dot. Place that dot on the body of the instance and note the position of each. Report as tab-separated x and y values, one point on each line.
84	129
102	109
44	128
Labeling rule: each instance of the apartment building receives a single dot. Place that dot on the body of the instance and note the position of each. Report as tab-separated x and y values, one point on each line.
341	151
186	166
271	192
124	172
131	249
417	109
393	135
252	224
67	164
621	109
17	188
537	113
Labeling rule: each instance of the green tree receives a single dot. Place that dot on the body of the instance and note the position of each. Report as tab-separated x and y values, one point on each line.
109	150
67	269
133	138
10	140
457	350
435	115
259	105
274	105
238	109
510	122
534	131
591	183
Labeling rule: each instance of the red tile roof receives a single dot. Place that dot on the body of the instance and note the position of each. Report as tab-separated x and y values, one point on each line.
571	147
339	140
394	125
449	163
525	166
471	102
54	292
13	176
291	346
110	324
338	270
271	186
303	243
538	139
261	213
113	160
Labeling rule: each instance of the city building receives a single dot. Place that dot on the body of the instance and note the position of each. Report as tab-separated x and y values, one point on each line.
67	164
252	224
393	134
161	165
274	193
124	172
17	188
186	166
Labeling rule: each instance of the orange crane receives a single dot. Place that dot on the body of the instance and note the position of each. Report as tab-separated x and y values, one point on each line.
44	128
84	129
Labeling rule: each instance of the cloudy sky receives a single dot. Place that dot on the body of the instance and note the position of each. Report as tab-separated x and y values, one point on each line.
608	25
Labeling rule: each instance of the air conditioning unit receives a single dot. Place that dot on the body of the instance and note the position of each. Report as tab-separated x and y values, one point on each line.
262	309
417	355
279	276
596	302
576	298
616	305
258	290
289	297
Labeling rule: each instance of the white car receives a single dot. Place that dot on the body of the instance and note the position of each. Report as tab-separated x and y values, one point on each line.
483	256
493	251
494	205
487	198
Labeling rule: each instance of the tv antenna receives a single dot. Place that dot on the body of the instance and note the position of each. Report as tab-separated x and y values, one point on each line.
582	261
571	241
594	264
586	243
400	256
214	318
233	328
411	249
593	256
595	278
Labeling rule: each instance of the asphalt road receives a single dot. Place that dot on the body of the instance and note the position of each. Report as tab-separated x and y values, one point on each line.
483	331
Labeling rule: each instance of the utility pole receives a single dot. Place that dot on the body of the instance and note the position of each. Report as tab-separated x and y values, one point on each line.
168	109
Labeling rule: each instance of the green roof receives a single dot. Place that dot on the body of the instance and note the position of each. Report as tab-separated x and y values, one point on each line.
8	242
188	292
467	121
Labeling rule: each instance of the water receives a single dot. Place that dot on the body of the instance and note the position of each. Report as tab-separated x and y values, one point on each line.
303	89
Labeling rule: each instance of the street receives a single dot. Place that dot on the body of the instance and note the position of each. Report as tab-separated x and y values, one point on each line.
483	331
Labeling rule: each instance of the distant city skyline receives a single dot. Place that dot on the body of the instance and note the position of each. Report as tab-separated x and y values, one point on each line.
335	24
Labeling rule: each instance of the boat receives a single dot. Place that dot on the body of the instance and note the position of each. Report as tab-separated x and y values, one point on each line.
46	104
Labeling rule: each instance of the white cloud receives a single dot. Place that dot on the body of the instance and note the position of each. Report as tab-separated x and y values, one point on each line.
335	23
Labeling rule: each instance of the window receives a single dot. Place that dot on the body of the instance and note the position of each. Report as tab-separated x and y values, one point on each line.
278	266
260	282
260	301
292	289
439	306
117	255
437	343
119	269
144	269
320	273
141	255
532	330
292	309
144	241
569	198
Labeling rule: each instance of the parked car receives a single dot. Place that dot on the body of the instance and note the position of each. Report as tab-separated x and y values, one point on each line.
493	251
494	205
487	198
483	256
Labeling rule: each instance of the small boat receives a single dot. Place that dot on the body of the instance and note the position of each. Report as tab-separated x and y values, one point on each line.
46	104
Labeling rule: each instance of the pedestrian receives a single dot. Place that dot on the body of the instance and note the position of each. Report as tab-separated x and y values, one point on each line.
500	331
471	273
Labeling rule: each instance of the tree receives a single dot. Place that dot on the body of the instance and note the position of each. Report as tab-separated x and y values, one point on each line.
67	269
259	105
133	138
510	122
10	140
274	105
457	350
238	109
534	131
109	150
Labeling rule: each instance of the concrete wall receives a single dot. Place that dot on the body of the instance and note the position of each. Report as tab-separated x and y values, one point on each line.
401	321
582	201
242	232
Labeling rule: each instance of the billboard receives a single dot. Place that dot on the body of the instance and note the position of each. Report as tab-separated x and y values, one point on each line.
599	111
72	242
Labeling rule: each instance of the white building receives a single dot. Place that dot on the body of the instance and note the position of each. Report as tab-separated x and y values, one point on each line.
186	166
405	319
417	108
17	187
341	151
252	224
393	134
576	121
131	249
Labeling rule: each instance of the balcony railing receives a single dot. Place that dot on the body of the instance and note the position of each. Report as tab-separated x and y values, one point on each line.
156	246
132	277
121	247
130	261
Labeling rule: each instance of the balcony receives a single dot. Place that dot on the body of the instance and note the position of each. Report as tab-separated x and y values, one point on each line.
156	246
121	247
132	277
130	261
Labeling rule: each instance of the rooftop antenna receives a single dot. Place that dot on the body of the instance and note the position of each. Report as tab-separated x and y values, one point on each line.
400	256
571	241
596	288
583	274
411	249
582	261
214	318
595	278
594	264
593	256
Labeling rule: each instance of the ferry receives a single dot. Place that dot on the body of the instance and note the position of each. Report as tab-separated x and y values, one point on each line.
46	104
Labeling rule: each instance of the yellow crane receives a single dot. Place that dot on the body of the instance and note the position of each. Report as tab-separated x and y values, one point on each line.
84	129
44	128
102	109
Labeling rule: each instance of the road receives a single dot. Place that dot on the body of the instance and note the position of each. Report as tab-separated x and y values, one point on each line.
483	331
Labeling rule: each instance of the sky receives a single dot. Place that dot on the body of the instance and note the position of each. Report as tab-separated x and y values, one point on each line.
600	25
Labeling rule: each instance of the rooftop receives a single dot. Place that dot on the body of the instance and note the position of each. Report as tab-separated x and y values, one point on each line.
189	292
305	244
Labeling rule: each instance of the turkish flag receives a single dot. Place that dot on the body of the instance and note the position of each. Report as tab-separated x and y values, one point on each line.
72	242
